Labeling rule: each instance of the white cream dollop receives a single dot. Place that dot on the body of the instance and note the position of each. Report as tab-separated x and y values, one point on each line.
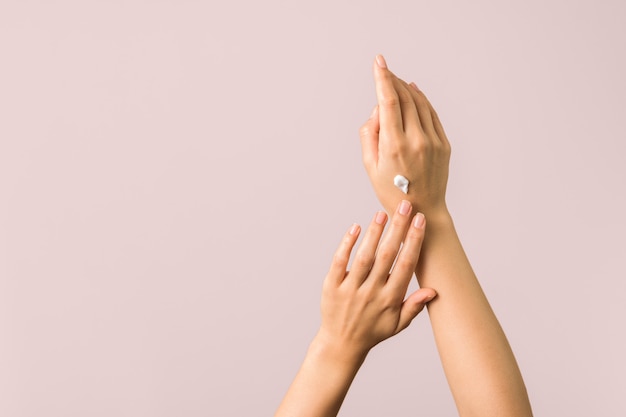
402	183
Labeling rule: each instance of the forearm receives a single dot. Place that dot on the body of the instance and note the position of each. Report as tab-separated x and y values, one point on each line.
404	136
480	367
322	381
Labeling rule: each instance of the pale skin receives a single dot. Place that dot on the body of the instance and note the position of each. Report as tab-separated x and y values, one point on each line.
367	305
404	136
360	309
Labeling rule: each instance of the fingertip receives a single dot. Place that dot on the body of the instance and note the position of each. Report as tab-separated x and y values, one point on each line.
429	294
380	61
354	230
404	207
380	217
419	221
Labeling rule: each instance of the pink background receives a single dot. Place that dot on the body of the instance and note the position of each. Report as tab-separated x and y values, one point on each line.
157	257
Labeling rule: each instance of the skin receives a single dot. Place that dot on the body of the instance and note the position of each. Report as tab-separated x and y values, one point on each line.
405	136
366	305
360	308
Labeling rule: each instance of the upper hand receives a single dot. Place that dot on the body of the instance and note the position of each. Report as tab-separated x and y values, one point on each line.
404	136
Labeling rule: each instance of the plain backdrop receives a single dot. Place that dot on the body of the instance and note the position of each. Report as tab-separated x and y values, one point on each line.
175	177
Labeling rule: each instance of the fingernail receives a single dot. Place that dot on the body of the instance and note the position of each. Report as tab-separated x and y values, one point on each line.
354	229
374	111
380	60
381	216
414	86
430	297
405	207
419	220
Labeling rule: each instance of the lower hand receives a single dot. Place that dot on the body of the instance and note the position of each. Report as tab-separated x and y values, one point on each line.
367	305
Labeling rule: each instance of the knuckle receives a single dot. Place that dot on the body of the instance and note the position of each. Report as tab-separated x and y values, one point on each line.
394	153
390	101
423	145
405	97
386	255
368	294
363	260
394	149
399	222
391	301
441	148
405	264
365	130
421	100
415	234
340	260
402	146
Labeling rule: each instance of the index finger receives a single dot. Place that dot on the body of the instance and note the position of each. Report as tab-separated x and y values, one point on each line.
389	110
339	265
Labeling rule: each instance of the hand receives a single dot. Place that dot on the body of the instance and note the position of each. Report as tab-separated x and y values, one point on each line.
366	305
404	136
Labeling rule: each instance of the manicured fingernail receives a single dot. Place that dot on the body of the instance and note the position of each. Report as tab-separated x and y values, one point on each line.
430	297
405	207
380	217
414	86
354	229
419	221
380	60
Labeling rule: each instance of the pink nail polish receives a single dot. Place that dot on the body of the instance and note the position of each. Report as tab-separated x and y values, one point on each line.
380	60
419	220
354	229
380	217
405	207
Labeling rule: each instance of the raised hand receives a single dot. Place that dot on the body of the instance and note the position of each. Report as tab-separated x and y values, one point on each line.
404	136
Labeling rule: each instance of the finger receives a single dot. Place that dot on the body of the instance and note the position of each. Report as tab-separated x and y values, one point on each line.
339	265
413	305
423	109
407	259
434	118
410	117
390	113
389	247
365	255
369	140
438	126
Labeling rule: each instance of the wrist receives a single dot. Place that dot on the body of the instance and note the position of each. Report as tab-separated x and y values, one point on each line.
336	352
436	218
436	212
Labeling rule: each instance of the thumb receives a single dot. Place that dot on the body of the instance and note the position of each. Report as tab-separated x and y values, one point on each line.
412	306
369	139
